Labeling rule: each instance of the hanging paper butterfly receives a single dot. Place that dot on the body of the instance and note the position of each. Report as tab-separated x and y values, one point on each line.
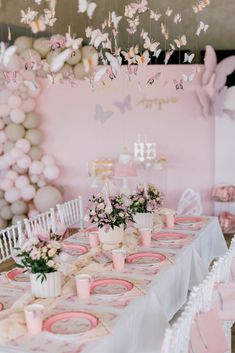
129	11
115	19
188	78
86	7
154	15
101	115
124	106
110	73
169	11
38	25
200	5
130	56
97	37
181	41
157	53
9	76
201	27
72	42
151	46
164	31
178	84
177	18
140	7
143	59
154	78
188	58
49	17
28	16
133	24
168	55
98	75
115	62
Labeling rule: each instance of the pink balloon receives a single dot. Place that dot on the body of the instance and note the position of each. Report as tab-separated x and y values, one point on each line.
11	174
12	195
16	153
48	160
3	137
21	181
17	116
28	105
36	167
8	158
6	184
51	172
3	164
27	192
24	162
24	145
4	110
14	101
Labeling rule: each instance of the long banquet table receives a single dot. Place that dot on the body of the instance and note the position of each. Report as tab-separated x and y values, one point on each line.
133	322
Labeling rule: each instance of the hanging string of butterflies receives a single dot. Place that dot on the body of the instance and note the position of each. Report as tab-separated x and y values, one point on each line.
104	40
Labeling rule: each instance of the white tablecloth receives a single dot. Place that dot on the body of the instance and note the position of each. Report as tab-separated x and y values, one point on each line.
140	327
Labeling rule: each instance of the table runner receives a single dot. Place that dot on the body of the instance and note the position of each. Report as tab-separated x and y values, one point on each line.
136	322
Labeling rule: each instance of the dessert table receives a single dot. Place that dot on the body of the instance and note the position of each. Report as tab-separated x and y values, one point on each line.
132	308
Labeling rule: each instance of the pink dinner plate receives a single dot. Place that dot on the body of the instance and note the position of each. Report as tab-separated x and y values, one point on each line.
188	220
1	306
112	286
70	323
169	236
18	275
75	249
145	258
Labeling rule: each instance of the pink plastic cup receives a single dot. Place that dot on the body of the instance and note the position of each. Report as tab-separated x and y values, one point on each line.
170	221
146	235
34	318
119	256
94	240
83	285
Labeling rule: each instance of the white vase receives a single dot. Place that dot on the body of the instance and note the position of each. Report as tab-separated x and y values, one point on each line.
49	288
112	238
144	220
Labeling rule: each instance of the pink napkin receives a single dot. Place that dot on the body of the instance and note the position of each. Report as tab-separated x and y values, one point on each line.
207	335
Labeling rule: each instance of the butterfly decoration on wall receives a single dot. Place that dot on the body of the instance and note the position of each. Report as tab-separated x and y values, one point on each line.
84	6
130	56
188	58
101	115
181	41
200	5
154	78
168	55
178	84
177	18
201	27
131	71
9	76
188	78
154	15
124	106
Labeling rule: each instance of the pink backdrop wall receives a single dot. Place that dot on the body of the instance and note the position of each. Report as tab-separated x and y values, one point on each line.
73	136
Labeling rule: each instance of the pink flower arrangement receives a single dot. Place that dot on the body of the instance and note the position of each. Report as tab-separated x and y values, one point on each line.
145	200
39	253
108	212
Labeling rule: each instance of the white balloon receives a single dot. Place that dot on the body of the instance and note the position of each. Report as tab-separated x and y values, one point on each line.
27	192
2	124
6	184
3	164
24	145
6	212
16	153
14	101
47	197
36	168
4	95
21	181
28	105
34	178
41	183
14	63
24	162
23	43
51	172
8	158
17	116
12	195
11	174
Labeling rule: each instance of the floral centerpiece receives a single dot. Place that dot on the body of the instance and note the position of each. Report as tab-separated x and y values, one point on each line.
110	214
39	256
144	203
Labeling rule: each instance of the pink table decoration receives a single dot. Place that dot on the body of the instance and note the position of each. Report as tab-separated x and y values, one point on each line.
145	258
58	324
83	285
169	236
75	249
119	256
113	286
170	221
34	318
188	220
146	235
18	275
94	239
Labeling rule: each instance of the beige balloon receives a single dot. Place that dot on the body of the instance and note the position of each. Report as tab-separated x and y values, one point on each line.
34	136
47	197
66	69
30	54
41	45
1	194
6	213
3	223
18	170
7	120
15	132
19	207
31	121
79	71
18	218
8	146
22	43
75	57
3	202
88	51
35	153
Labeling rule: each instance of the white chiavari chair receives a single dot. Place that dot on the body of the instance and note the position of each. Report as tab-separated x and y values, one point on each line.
10	238
44	221
71	213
